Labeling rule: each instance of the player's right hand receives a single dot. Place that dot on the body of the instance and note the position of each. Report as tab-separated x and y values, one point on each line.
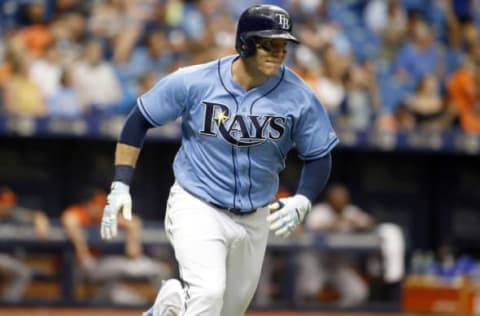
118	199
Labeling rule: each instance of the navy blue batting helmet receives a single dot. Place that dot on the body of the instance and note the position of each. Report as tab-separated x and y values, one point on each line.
265	21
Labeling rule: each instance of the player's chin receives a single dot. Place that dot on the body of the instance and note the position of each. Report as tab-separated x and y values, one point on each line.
271	69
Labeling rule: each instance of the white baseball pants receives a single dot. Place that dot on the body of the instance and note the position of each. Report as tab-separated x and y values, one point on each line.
219	254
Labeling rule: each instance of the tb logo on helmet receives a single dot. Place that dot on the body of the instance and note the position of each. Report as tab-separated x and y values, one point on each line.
241	130
283	21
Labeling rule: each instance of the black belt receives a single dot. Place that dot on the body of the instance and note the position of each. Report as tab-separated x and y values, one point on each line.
233	210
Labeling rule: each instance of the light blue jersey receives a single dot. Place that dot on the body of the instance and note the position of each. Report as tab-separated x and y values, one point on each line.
235	142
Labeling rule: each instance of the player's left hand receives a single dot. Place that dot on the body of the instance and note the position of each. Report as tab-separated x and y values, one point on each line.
287	214
118	198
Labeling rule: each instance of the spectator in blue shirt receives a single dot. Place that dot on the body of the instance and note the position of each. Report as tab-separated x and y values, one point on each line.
66	101
419	57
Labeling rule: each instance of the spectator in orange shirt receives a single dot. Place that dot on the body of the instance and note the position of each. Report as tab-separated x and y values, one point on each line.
108	270
464	95
36	36
4	73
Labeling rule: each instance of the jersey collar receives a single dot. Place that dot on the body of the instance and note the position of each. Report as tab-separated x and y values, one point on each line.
232	86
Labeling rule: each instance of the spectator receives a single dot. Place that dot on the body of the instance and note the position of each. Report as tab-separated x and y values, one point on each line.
308	65
388	19
46	71
155	56
419	57
68	31
385	16
426	105
108	19
361	103
319	33
108	270
330	87
65	102
463	93
36	36
14	269
95	79
23	96
336	214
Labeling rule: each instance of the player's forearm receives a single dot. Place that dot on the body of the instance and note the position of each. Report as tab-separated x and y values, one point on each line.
126	155
125	160
315	175
129	145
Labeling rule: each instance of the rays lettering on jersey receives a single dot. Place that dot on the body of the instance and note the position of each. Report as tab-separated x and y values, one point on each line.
242	129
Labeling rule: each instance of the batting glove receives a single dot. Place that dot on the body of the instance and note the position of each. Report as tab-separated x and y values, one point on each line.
287	214
118	198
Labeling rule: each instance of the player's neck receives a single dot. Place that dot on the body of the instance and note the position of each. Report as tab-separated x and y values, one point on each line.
247	75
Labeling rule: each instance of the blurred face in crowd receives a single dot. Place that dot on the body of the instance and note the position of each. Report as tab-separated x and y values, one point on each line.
270	55
157	43
422	35
470	33
36	12
93	53
338	197
75	24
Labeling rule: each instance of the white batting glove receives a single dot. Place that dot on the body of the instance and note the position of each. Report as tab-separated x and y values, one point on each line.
287	214
118	198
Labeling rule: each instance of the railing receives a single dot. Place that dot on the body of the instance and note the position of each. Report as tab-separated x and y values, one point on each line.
57	244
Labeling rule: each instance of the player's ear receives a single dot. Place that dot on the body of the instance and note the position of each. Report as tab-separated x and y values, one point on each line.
247	46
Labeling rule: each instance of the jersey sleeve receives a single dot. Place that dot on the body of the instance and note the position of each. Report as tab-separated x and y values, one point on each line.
165	102
314	136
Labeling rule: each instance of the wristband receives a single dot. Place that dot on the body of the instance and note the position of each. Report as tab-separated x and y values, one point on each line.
123	173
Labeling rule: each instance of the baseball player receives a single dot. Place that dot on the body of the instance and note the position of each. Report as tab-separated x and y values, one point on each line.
240	115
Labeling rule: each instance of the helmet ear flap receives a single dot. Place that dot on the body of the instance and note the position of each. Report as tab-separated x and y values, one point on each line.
247	46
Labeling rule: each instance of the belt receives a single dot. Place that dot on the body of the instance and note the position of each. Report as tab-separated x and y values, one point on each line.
233	210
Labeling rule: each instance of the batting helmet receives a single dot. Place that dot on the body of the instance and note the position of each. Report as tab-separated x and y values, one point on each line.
265	21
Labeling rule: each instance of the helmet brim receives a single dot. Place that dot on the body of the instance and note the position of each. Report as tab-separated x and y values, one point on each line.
280	34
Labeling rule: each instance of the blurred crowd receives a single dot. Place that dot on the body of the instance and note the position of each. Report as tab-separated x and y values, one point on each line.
394	65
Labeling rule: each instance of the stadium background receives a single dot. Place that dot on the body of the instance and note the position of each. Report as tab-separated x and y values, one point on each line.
416	168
